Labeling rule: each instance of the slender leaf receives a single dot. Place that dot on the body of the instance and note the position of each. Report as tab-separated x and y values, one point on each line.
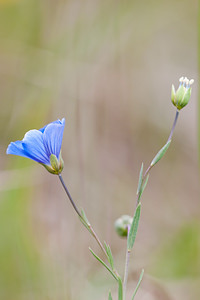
160	153
86	226
104	264
140	180
143	187
138	284
110	257
120	289
85	221
110	296
84	217
133	229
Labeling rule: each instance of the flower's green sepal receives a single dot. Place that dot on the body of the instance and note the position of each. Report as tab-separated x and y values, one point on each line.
186	97
181	97
122	224
173	94
56	166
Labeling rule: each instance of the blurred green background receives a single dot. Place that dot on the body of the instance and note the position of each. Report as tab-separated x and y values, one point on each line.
107	67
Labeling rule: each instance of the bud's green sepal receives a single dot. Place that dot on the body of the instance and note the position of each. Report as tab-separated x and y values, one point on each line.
56	166
122	224
181	97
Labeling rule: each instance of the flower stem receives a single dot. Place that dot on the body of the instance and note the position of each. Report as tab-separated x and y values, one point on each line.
138	198
98	240
91	230
169	139
137	202
69	196
151	166
173	126
126	268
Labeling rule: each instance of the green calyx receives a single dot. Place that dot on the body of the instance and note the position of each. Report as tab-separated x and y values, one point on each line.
181	97
56	166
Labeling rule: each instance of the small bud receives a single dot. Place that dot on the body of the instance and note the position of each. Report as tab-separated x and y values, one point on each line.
181	97
56	166
122	224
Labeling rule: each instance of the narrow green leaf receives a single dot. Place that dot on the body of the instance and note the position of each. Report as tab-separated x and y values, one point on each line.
143	187
140	180
109	296
133	229
120	289
84	223
104	264
138	284
160	153
110	257
84	217
84	220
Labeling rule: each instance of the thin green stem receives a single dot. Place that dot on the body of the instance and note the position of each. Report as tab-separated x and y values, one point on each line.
173	126
169	138
126	268
144	177
98	240
69	196
91	230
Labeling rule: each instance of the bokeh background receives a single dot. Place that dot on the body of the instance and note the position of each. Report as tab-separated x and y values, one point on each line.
107	67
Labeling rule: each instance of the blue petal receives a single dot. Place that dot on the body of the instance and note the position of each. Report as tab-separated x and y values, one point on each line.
53	135
16	148
33	145
54	122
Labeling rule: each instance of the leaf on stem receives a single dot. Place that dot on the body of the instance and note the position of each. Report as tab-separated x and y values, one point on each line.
134	228
142	188
140	180
109	296
120	289
83	215
110	256
85	221
160	153
104	264
138	284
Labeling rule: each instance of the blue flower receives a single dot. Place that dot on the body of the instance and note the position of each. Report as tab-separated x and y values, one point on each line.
43	146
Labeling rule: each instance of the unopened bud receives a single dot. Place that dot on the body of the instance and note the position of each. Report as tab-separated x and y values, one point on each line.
181	97
122	224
